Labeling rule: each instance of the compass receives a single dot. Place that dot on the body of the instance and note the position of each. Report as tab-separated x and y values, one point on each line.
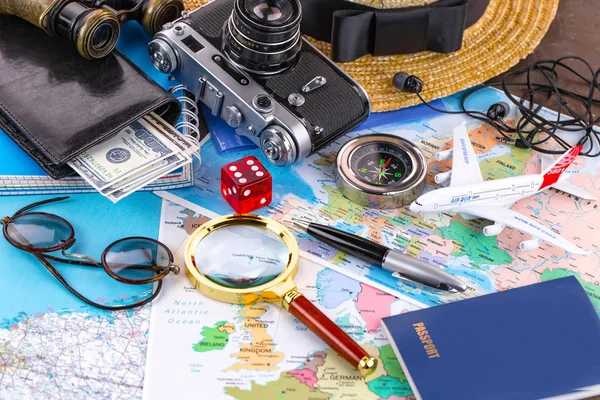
380	171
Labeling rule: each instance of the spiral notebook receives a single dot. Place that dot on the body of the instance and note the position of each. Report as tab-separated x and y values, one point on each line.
537	342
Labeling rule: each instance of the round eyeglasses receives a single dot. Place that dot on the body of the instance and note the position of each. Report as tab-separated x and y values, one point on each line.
132	260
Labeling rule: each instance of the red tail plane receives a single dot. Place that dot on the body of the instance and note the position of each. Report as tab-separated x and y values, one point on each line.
553	173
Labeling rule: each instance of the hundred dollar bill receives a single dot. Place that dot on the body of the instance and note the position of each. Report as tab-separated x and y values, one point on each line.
126	190
128	152
145	175
159	168
183	142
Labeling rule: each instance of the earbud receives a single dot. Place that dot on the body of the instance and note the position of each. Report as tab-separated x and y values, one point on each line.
407	83
498	111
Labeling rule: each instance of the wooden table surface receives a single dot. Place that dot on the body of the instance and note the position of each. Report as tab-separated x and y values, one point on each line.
574	32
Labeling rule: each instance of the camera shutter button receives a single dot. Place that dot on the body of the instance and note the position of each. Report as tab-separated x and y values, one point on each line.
233	116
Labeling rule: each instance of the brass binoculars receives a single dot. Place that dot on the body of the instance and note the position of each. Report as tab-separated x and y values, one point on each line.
93	26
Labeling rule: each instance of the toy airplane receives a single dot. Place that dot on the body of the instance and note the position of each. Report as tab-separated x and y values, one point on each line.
472	198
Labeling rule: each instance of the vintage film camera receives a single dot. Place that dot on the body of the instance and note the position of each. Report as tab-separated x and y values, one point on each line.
247	61
93	25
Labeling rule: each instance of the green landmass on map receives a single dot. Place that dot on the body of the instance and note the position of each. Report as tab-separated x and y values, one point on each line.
214	338
397	220
390	363
505	166
592	290
479	248
386	386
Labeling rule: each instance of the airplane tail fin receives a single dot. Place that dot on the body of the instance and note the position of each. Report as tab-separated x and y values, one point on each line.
552	173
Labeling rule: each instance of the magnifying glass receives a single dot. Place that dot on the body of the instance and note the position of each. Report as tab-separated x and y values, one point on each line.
246	259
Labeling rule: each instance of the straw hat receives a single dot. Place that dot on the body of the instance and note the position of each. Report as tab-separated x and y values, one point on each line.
507	32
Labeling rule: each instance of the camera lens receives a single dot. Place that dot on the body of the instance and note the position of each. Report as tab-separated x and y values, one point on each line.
269	12
263	36
266	12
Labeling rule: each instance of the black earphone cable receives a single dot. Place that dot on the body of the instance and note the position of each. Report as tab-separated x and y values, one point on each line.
541	83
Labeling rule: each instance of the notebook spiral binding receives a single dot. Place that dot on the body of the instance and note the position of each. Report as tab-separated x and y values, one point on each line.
188	123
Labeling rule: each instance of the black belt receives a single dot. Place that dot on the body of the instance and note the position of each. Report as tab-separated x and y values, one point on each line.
355	30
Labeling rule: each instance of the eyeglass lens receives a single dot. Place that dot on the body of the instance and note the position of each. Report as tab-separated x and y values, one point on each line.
39	231
137	259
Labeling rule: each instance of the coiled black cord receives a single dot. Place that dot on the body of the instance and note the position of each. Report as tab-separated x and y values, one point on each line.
540	83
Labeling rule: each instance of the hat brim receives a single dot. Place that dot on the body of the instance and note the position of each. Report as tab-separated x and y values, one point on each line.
507	32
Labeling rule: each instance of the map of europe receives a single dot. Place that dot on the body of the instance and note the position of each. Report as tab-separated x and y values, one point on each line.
260	351
487	264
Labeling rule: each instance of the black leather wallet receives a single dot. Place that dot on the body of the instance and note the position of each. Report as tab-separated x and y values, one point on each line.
56	104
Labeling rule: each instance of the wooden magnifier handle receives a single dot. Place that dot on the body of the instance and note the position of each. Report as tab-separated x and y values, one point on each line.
329	332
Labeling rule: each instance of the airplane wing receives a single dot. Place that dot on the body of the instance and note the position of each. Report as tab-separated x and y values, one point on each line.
518	221
569	187
465	166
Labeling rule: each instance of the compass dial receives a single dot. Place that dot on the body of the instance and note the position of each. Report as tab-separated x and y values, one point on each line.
380	171
381	163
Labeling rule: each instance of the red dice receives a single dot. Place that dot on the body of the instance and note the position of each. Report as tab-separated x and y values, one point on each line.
246	185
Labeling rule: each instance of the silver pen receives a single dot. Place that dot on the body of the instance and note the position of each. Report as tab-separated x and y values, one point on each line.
390	260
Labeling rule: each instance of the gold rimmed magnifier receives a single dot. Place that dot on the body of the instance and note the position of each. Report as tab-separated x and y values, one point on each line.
246	259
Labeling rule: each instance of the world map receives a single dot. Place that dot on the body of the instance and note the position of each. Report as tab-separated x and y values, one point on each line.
260	351
487	264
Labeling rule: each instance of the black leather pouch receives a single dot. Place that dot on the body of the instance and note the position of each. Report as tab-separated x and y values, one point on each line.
56	104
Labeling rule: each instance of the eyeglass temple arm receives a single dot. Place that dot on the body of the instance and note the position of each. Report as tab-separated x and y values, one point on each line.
75	262
57	275
96	264
60	278
39	203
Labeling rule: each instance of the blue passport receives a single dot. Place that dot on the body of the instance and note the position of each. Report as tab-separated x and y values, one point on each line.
536	342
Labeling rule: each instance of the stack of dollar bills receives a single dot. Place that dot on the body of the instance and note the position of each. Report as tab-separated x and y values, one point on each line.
136	156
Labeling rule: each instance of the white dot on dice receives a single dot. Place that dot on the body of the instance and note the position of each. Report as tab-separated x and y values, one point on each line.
263	200
229	190
247	192
234	191
260	173
243	180
250	162
233	168
224	192
255	168
237	174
